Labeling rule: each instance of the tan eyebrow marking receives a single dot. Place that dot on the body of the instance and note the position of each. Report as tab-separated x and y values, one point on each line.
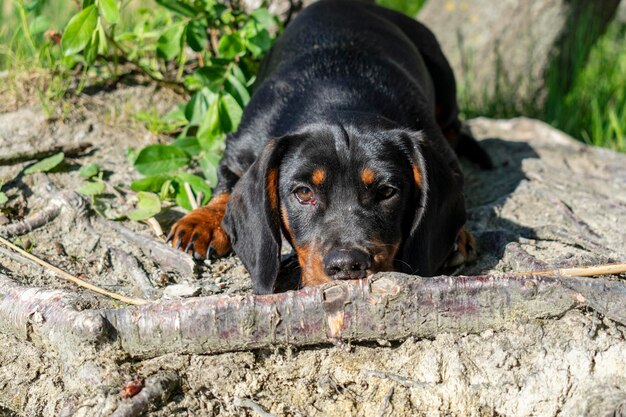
368	176
318	177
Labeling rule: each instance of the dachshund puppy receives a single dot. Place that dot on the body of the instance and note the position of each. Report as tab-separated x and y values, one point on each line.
347	150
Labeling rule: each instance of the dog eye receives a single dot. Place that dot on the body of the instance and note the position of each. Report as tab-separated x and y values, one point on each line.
386	192
304	195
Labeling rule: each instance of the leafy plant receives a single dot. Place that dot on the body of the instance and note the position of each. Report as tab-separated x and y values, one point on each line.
46	164
205	49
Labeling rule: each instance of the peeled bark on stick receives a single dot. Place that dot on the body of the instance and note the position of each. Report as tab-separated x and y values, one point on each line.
389	306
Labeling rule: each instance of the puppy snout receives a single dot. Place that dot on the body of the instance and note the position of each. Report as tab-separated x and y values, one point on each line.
347	264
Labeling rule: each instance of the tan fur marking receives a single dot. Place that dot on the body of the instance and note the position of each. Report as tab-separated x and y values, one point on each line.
368	176
466	243
205	224
311	266
318	177
384	256
285	225
272	188
417	176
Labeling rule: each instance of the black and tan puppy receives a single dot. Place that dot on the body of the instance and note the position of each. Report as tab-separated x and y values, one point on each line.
346	149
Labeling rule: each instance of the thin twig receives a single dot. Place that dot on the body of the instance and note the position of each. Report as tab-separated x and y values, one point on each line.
72	278
68	150
252	405
581	271
190	196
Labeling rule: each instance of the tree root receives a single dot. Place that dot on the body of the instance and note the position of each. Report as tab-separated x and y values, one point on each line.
126	264
43	217
168	258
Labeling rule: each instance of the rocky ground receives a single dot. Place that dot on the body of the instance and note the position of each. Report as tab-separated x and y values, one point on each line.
551	202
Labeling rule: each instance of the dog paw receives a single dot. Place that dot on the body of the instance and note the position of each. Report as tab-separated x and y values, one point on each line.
200	232
464	250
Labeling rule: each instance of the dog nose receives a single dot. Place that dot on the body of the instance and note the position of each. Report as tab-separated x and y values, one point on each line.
347	263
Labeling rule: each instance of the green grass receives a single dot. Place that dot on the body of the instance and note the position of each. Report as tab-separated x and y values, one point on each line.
594	110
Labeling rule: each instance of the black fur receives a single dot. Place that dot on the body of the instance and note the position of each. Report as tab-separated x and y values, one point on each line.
348	85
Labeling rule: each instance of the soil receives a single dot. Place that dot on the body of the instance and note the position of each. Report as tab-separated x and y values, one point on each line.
550	202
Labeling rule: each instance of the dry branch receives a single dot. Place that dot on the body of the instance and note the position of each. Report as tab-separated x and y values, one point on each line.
44	216
30	155
36	314
388	306
127	265
168	258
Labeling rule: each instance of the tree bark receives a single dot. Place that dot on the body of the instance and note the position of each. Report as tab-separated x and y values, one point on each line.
389	306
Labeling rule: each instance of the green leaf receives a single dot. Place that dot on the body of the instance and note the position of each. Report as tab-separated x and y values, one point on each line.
169	43
197	37
148	205
152	183
237	90
198	105
230	46
167	190
88	171
45	164
79	30
263	18
210	127
229	113
160	159
197	184
260	43
3	198
178	7
92	188
91	50
211	77
39	25
110	10
208	163
188	144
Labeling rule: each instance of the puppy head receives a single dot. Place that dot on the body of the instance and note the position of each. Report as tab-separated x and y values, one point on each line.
351	202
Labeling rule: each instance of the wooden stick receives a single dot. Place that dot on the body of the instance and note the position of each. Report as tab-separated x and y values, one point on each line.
581	271
66	276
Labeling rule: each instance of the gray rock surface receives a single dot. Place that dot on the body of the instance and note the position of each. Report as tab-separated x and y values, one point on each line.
508	46
550	202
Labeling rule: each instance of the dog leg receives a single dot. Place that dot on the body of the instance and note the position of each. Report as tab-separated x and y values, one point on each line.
201	232
464	250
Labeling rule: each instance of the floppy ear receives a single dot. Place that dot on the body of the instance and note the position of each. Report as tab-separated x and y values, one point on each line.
439	206
252	217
